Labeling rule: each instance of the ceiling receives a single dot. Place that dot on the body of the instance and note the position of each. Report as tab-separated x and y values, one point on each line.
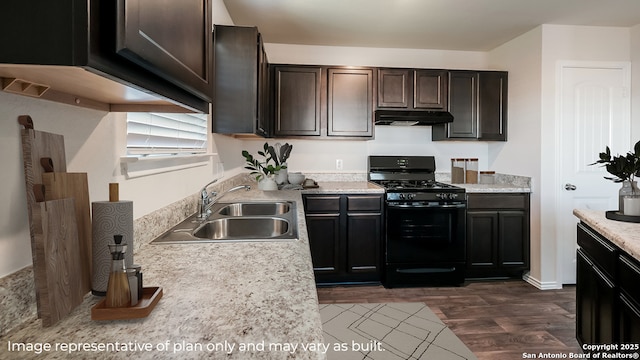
471	25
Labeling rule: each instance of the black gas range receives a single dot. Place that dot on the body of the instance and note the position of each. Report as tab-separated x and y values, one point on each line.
425	222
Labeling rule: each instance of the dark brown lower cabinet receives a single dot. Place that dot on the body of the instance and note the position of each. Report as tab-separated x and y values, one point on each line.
607	292
595	298
629	300
497	235
345	236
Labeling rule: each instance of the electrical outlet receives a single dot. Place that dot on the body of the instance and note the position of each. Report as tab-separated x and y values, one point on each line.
338	164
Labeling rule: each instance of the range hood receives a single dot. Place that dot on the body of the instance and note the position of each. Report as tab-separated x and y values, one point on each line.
412	117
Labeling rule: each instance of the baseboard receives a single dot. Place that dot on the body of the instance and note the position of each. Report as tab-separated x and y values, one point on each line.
546	285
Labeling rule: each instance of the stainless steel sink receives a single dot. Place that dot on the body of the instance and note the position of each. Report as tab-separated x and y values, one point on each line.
255	209
238	222
242	228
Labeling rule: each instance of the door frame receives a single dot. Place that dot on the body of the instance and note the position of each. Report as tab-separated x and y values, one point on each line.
625	67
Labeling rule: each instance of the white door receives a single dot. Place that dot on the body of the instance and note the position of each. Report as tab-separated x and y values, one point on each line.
594	112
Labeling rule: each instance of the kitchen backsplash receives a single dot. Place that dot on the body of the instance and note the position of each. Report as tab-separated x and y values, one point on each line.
519	181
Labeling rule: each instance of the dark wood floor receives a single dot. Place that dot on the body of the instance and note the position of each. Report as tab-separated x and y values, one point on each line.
496	320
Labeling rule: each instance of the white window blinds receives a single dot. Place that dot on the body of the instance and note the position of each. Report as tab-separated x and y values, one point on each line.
166	133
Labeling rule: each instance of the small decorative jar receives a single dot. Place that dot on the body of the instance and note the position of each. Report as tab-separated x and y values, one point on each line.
628	188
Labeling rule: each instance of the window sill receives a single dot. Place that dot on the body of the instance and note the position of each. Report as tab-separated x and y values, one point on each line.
139	166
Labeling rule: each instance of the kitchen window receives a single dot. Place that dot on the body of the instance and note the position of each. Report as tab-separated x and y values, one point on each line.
164	142
166	133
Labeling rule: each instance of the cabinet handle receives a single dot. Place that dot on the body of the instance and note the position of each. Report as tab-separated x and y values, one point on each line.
569	187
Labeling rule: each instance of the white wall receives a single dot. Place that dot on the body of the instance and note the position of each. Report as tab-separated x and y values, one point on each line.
635	83
520	155
532	147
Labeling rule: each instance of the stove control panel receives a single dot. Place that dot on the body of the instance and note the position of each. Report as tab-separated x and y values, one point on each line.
445	196
425	196
407	196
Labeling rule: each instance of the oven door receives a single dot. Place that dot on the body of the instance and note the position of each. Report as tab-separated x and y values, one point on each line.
425	233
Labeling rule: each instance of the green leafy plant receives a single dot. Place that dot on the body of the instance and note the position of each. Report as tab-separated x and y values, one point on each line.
264	167
622	167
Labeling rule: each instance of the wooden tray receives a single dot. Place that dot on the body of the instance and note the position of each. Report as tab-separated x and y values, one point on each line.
615	215
150	297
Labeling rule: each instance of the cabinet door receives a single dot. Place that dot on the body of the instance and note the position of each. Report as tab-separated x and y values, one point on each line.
595	304
350	102
363	244
585	299
169	38
629	321
482	241
263	126
297	100
513	250
492	105
393	88
430	89
324	241
463	104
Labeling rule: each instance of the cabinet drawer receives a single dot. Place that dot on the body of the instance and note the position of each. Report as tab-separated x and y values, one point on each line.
501	201
364	203
322	204
599	250
629	277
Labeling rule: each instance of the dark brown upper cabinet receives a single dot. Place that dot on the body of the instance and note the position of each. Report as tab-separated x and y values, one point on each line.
68	53
350	102
411	89
323	101
170	38
492	105
297	93
240	103
478	103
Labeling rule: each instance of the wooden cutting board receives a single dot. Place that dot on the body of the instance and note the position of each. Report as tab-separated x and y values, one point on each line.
74	185
56	265
35	146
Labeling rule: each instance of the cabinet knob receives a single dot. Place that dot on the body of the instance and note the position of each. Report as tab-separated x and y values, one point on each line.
569	187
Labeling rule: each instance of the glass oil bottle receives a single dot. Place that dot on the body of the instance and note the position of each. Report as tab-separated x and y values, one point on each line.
118	292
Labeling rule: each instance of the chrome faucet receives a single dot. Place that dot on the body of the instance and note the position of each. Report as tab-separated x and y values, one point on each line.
206	200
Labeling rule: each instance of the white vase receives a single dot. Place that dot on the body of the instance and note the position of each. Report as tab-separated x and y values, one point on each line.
281	175
267	183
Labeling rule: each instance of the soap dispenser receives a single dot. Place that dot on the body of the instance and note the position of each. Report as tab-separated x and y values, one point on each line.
118	292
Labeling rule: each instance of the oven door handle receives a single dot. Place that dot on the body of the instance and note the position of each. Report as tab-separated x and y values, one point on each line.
418	206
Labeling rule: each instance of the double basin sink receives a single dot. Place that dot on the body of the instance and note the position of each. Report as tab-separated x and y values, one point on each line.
238	222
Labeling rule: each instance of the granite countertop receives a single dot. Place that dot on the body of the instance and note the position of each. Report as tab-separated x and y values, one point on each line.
250	294
625	235
495	188
344	187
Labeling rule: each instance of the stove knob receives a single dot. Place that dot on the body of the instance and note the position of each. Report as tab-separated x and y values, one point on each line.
401	196
411	196
441	196
453	196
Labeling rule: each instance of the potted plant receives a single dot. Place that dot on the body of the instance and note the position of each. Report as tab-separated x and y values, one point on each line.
264	169
280	154
624	168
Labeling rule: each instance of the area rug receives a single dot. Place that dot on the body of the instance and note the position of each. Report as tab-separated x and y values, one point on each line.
391	331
